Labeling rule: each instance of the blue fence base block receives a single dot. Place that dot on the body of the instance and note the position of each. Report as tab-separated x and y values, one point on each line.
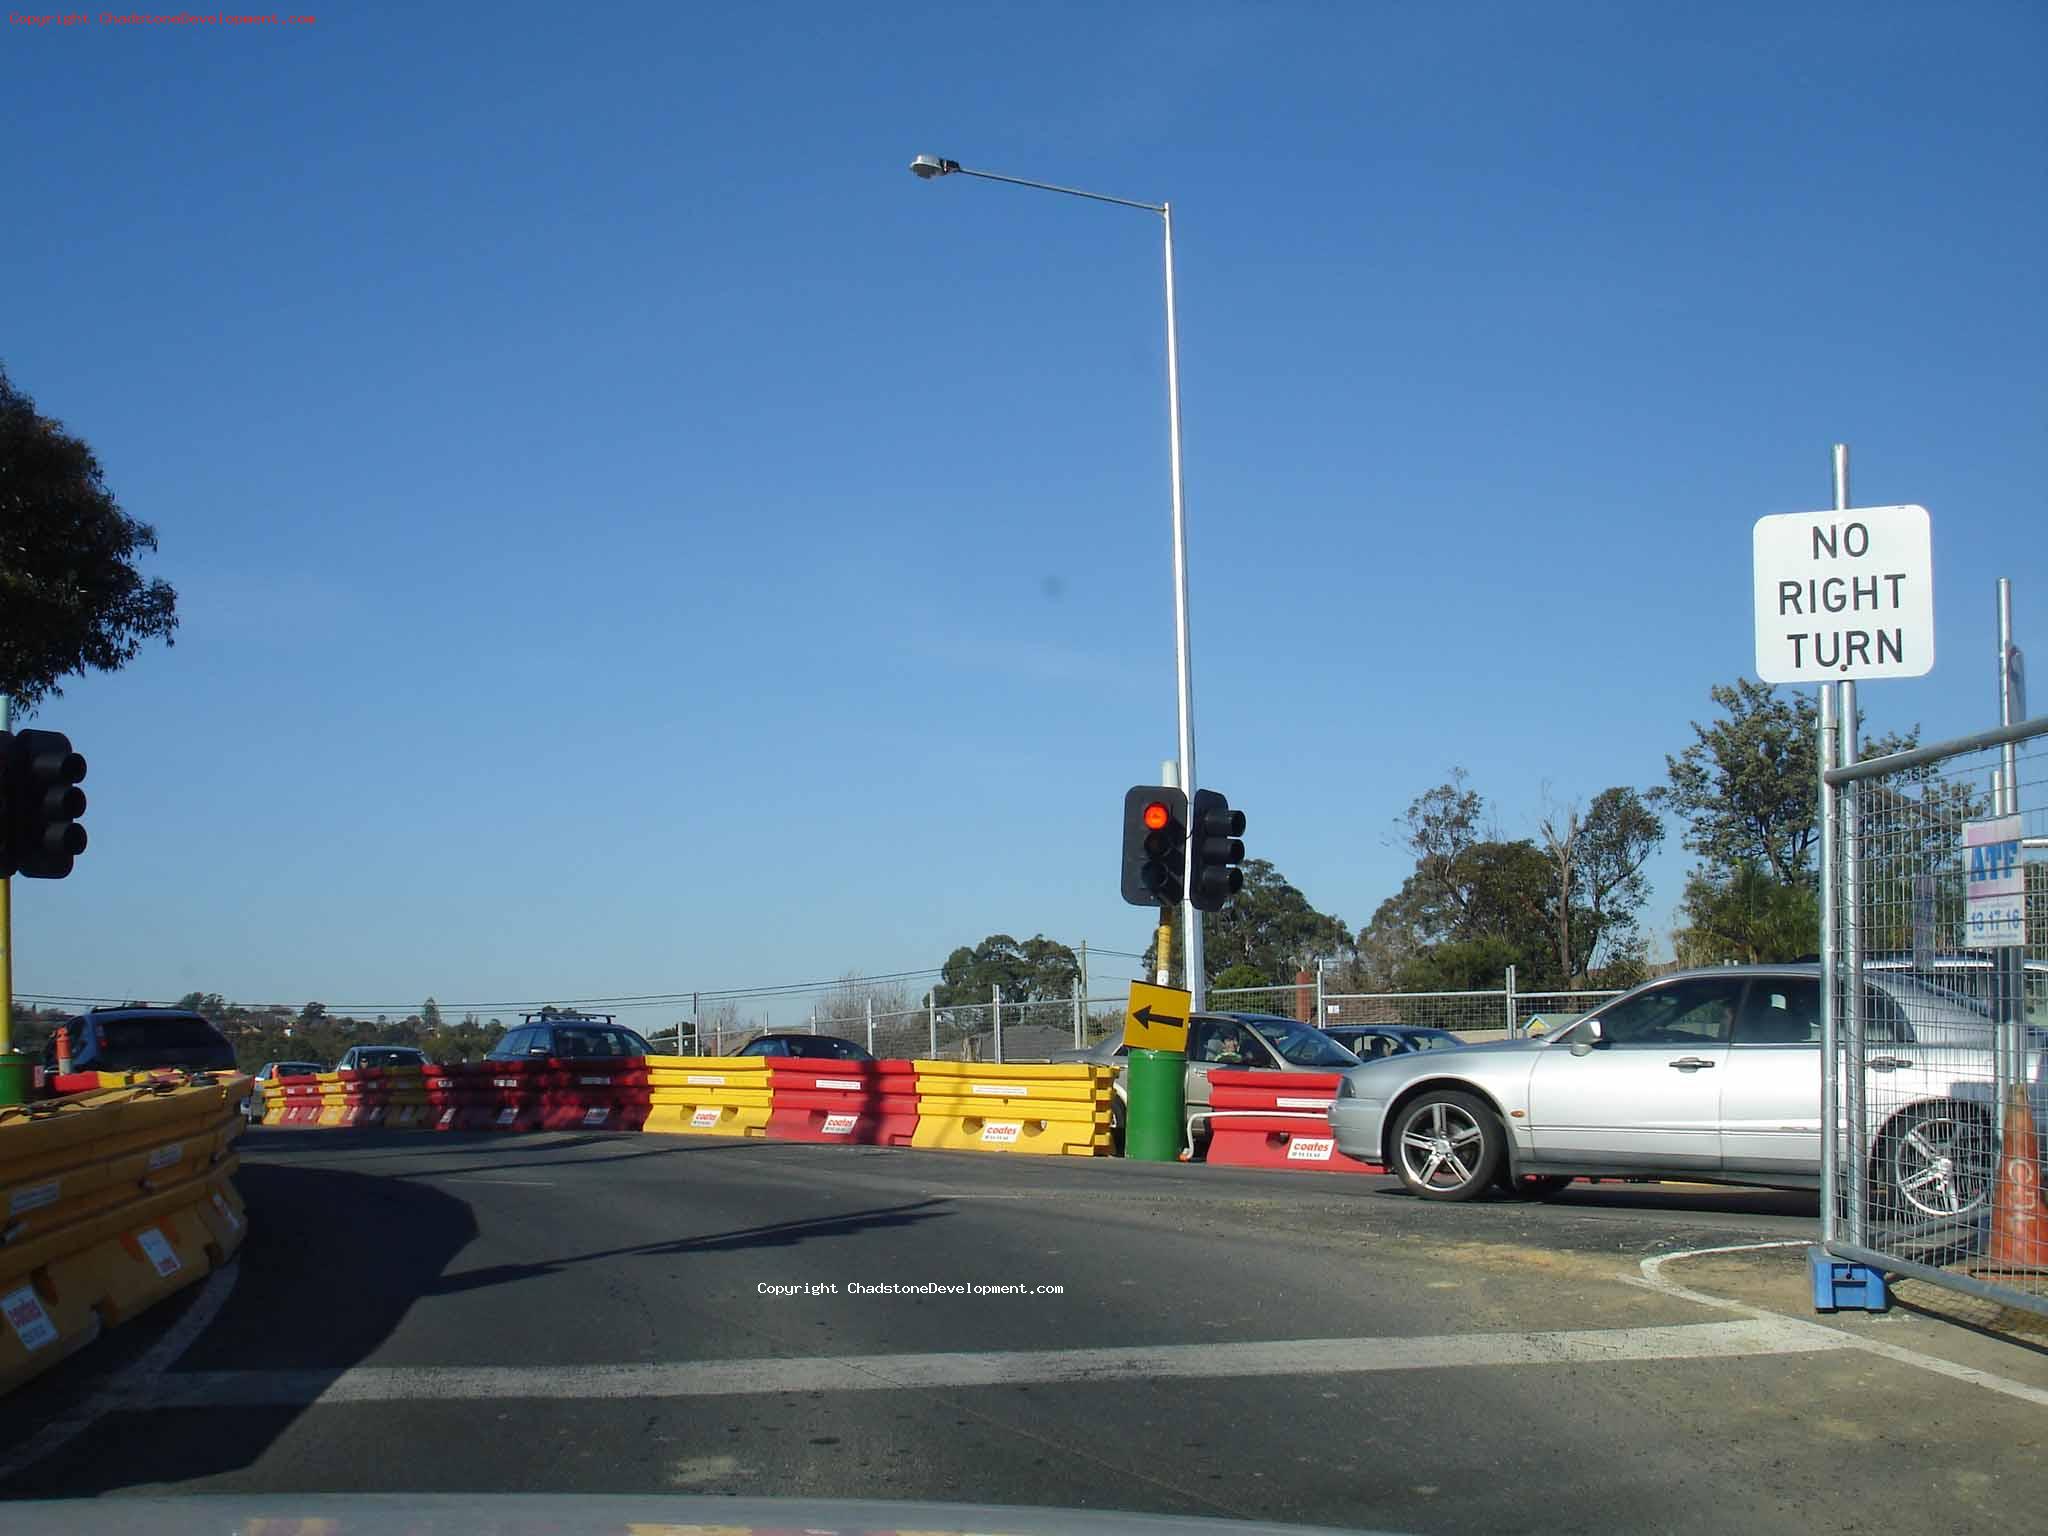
1838	1284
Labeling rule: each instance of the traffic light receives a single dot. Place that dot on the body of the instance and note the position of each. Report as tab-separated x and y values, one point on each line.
1216	852
40	803
1155	845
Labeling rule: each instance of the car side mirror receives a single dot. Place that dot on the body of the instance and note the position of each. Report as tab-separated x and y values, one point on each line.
1589	1035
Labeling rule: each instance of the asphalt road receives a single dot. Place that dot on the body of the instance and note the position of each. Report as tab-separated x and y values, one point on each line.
587	1313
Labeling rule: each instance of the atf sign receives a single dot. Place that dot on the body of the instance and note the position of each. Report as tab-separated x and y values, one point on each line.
1994	884
1844	595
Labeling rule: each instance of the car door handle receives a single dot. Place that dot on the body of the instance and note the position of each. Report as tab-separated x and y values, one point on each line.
1689	1063
1887	1063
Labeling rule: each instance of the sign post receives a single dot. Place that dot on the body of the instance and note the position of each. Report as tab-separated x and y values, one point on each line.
1156	1031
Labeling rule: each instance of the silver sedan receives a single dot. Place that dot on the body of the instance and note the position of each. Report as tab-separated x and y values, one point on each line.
1712	1075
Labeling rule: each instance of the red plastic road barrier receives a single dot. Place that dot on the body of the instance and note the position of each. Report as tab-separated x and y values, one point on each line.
867	1103
1276	1120
301	1097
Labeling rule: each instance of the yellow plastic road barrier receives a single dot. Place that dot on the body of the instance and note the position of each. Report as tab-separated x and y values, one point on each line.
109	1201
1052	1110
708	1095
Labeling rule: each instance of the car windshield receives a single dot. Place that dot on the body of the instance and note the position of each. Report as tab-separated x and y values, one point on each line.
1303	1045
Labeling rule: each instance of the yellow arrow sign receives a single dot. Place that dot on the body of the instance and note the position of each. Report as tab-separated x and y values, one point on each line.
1156	1018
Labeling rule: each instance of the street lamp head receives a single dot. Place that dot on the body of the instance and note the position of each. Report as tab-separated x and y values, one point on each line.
925	167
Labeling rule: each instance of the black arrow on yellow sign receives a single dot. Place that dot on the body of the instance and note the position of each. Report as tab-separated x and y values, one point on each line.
1148	1018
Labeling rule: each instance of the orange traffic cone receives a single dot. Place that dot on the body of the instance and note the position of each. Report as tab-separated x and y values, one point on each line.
2019	1222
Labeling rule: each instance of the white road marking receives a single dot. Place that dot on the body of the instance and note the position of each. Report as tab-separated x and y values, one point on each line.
485	1178
1653	1279
892	1373
136	1384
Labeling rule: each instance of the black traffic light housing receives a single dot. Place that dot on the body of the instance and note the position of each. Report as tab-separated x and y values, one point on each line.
40	803
1216	852
1155	845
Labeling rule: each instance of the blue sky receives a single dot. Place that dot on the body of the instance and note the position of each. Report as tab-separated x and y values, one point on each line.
631	536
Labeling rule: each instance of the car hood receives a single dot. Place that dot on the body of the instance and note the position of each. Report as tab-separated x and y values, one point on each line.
399	1514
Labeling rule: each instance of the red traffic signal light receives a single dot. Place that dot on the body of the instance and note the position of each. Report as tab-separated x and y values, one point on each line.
1155	845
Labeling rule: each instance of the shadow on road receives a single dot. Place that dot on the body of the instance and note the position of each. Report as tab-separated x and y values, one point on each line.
778	1234
1609	1195
333	1263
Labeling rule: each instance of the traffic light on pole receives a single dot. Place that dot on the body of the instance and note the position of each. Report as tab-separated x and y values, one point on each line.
1155	845
1215	852
40	803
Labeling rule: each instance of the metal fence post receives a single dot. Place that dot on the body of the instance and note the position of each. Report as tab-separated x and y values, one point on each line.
931	1003
1850	835
2008	992
871	1026
1077	1013
1511	1001
1322	1008
1830	972
996	999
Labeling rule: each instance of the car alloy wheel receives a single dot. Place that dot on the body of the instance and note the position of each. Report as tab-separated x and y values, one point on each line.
1447	1147
1939	1161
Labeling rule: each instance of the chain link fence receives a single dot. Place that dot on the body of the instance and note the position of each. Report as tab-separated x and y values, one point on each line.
1935	1013
1489	1013
1003	1030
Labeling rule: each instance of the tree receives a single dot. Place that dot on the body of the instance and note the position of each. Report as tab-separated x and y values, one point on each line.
1270	927
1240	976
1597	858
848	1002
71	598
1746	915
1560	828
1620	834
1443	825
430	1016
1748	786
1037	970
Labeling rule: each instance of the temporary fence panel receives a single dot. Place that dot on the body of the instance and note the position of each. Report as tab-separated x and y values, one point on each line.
1935	1014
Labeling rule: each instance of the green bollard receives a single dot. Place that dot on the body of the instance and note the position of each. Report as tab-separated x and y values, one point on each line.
1157	1085
17	1074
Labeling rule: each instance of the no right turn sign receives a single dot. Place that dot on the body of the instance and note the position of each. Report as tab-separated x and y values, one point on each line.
1844	595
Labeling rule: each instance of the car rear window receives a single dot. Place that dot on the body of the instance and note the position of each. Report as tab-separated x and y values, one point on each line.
395	1057
143	1034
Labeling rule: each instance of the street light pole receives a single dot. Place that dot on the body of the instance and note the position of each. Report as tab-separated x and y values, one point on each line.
927	167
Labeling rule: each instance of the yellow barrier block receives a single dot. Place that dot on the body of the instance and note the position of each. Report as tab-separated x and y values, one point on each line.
110	1201
954	1125
129	1261
38	1137
707	1118
1057	1109
708	1095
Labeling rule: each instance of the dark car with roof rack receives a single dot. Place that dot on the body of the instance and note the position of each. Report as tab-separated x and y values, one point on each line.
141	1037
